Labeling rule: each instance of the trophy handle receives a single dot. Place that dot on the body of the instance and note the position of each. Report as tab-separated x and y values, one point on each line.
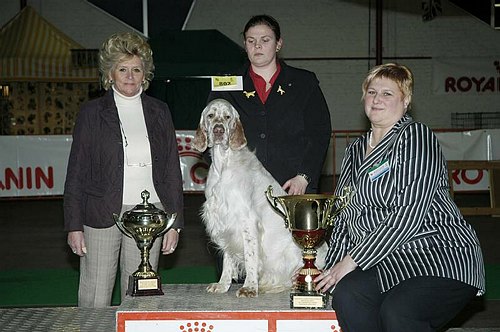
347	193
276	203
170	222
119	223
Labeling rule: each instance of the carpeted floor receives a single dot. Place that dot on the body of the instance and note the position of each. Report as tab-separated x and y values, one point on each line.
37	268
59	287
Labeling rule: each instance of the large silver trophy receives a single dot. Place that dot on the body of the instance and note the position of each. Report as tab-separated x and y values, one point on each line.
308	217
144	223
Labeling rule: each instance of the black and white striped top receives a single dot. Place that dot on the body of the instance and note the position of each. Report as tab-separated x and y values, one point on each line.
404	223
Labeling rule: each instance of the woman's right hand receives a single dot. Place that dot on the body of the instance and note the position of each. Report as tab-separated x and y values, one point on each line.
330	277
296	185
77	243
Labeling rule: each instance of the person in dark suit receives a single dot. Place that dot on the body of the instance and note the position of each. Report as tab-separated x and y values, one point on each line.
401	256
282	109
123	143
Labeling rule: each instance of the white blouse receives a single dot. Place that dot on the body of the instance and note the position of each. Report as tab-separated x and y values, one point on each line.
138	170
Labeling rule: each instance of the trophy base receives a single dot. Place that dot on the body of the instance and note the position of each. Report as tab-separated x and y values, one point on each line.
308	300
144	286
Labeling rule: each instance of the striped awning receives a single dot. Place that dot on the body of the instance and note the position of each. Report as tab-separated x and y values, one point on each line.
32	49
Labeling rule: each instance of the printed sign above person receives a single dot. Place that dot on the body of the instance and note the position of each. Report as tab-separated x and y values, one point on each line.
459	75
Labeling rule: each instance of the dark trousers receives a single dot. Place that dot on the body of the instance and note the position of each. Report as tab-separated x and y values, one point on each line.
418	304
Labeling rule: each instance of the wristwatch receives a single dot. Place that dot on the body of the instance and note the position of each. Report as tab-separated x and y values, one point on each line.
308	179
178	230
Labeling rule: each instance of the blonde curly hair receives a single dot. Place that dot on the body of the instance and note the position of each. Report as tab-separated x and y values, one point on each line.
122	46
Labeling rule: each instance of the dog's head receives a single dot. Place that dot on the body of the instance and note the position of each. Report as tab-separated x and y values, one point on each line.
219	124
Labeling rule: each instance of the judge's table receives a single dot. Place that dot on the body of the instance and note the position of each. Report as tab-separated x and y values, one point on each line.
189	308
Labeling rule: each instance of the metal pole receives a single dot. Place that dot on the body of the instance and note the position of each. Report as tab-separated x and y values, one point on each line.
145	17
378	32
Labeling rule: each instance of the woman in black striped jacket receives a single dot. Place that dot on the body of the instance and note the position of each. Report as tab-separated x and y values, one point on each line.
401	256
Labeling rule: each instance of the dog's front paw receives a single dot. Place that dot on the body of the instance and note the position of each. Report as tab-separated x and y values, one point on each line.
247	292
218	288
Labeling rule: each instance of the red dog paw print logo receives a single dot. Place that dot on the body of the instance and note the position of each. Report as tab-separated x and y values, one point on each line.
196	327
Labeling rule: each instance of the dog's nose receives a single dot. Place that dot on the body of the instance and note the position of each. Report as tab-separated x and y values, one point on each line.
218	129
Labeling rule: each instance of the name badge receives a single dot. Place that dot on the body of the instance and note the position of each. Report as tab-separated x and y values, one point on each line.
227	83
378	170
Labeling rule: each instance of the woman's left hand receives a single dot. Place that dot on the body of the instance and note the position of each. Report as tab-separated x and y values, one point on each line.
170	241
329	278
296	185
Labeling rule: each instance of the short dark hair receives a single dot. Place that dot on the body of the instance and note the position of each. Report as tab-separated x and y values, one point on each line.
266	20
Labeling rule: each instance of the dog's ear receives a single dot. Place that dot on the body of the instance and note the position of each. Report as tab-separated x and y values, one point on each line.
200	141
237	139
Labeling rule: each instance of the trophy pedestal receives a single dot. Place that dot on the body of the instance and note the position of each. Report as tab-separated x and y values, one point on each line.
144	286
308	300
188	307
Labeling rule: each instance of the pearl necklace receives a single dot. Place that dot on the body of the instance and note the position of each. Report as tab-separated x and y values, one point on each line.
370	141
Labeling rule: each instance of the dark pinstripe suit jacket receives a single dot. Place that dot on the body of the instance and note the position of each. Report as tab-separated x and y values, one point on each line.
405	223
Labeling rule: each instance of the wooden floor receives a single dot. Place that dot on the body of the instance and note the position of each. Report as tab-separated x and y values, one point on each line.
32	237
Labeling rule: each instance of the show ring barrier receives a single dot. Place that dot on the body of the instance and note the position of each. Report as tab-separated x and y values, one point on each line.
473	162
493	169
